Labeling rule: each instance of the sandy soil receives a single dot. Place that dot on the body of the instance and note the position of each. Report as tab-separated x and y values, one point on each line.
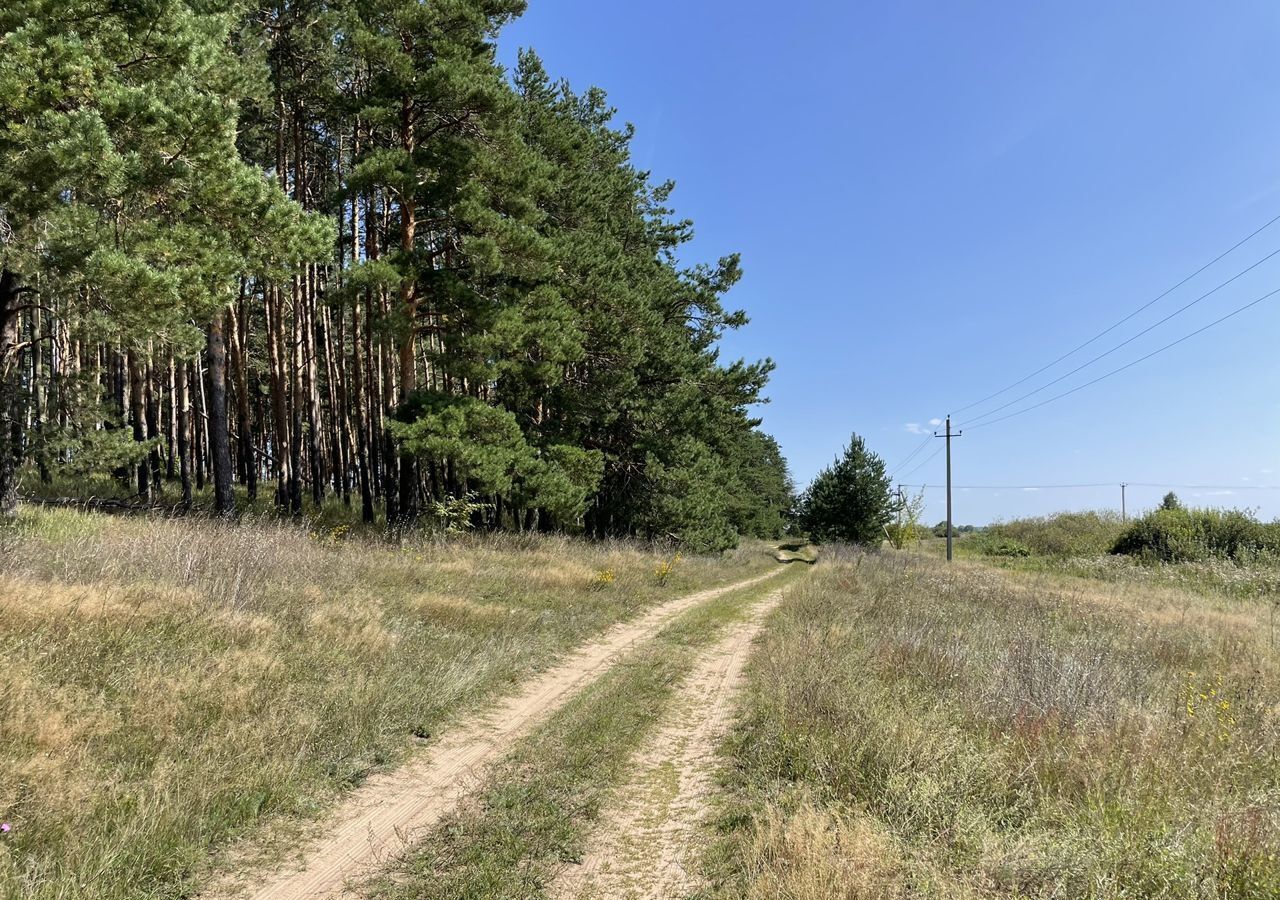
648	838
382	817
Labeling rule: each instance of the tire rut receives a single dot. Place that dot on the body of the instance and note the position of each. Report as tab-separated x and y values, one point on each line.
645	844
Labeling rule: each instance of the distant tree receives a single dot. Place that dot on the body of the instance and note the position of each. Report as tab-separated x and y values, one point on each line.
759	492
907	528
1171	501
687	502
849	500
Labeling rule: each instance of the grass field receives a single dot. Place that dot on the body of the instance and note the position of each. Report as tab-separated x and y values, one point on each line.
1046	726
171	685
917	731
1256	580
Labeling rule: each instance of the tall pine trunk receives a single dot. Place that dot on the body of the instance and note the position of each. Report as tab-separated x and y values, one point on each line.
182	404
409	309
10	431
224	502
238	329
138	415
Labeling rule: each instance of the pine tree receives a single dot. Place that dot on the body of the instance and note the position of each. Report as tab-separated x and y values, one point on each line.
330	243
849	500
122	192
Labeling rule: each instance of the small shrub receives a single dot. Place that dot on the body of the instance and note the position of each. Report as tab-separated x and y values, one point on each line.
1006	547
665	569
456	515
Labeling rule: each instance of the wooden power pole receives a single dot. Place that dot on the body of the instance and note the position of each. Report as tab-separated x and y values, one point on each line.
949	436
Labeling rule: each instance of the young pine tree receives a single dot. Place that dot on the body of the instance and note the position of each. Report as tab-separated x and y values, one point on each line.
849	500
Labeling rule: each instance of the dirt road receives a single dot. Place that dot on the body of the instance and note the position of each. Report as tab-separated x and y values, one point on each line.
647	841
377	821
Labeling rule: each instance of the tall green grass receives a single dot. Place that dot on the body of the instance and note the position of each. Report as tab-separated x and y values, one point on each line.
1226	552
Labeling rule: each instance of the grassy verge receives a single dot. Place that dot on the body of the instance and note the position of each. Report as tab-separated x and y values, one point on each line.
914	731
169	685
534	813
1236	580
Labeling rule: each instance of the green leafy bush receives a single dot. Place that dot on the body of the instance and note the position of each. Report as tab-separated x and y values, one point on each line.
1005	547
1190	535
1087	533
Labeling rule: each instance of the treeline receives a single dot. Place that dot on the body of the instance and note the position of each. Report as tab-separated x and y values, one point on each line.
317	249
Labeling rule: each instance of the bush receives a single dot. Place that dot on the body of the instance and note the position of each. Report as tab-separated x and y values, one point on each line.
1006	547
1191	535
1064	534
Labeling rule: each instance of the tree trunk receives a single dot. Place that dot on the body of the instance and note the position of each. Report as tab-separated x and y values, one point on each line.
151	404
224	502
244	421
182	406
138	415
10	351
409	309
39	395
280	454
295	395
171	453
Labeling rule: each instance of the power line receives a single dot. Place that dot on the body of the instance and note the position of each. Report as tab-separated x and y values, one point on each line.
912	454
928	459
1014	487
1105	484
1232	314
1210	487
1111	328
1125	343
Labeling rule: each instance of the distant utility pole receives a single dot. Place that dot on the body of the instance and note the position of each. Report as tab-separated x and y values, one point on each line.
1124	514
948	436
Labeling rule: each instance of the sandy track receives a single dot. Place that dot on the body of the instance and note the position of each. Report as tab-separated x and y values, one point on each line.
645	844
382	817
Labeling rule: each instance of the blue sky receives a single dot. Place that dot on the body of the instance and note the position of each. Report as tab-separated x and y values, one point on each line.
934	199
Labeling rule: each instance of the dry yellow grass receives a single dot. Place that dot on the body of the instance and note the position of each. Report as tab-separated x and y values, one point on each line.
818	854
170	686
1009	734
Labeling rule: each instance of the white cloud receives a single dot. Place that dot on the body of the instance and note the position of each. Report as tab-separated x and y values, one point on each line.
916	428
935	422
1030	490
1218	493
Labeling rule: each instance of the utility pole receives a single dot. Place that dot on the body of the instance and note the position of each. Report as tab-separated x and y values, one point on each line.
902	507
949	436
1124	514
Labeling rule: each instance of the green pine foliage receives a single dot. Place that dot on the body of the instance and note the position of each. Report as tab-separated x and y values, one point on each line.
431	283
850	500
